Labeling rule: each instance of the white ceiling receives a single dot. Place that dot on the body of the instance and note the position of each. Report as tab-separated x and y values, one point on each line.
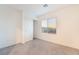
36	9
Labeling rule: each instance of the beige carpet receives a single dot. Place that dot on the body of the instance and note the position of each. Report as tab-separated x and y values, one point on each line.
38	47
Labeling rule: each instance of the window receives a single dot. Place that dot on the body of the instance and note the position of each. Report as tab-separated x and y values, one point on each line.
49	25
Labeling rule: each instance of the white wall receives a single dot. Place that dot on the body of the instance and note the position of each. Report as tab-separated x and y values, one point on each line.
35	25
9	25
67	27
19	28
27	27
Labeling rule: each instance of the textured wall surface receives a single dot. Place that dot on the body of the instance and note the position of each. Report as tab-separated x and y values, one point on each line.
67	26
